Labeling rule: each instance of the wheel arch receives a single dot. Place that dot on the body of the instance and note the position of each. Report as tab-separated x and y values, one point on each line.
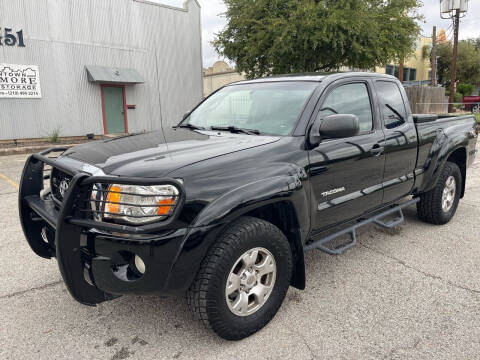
459	157
283	201
282	214
455	150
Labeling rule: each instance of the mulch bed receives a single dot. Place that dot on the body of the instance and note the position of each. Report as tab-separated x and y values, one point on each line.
19	143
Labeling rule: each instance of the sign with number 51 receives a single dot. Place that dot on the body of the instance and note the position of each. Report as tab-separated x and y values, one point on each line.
9	38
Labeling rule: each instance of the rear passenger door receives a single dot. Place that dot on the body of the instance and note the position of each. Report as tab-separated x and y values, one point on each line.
347	174
400	140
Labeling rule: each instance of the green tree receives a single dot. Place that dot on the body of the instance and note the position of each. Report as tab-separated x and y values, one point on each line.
468	62
265	37
465	89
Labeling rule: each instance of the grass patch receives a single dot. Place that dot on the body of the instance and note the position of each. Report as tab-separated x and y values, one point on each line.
54	136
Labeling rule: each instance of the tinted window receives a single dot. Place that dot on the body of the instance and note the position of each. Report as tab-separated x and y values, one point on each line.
350	99
394	113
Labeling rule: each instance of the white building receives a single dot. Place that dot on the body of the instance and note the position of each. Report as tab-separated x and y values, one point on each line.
97	66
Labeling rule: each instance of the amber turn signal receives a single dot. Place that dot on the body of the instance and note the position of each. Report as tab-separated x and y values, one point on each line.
113	199
165	205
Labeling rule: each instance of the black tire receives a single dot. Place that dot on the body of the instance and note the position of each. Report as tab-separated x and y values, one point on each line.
207	296
429	209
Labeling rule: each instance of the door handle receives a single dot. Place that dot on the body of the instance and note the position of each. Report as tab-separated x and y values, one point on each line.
377	150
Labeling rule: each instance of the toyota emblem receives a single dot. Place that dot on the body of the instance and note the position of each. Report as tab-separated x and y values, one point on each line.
63	187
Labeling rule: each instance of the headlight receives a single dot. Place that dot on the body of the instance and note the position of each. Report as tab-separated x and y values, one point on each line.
138	204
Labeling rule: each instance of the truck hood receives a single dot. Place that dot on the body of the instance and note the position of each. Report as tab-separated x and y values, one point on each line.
149	155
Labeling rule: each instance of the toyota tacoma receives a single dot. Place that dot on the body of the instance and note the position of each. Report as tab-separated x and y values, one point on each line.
256	174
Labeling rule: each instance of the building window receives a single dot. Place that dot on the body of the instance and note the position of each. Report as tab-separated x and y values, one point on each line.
409	74
413	74
390	70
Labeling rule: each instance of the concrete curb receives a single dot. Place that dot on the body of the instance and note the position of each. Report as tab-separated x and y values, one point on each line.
30	149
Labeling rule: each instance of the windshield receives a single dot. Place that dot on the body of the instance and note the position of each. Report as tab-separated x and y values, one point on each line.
271	108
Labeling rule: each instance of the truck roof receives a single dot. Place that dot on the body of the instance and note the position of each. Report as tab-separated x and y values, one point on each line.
317	77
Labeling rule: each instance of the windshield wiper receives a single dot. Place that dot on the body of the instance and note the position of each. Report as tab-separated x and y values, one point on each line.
189	126
234	129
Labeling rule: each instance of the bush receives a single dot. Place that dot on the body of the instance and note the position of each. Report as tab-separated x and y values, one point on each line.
477	117
458	98
465	89
54	136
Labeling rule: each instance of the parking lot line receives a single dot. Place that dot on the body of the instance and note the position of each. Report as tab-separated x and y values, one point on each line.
8	180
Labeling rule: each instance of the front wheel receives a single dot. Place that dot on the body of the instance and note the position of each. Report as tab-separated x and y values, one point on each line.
439	205
243	280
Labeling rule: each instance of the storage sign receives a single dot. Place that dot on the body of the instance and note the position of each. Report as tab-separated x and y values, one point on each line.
19	81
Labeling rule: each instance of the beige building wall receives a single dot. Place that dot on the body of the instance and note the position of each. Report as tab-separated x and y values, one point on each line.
218	75
417	61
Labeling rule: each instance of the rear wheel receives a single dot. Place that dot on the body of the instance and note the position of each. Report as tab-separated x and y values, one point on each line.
439	205
243	280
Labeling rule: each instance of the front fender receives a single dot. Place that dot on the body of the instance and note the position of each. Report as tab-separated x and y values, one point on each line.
248	197
235	203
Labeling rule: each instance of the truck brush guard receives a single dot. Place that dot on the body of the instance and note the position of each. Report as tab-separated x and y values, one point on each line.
58	214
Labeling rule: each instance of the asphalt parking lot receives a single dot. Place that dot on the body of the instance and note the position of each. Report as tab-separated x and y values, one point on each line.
413	292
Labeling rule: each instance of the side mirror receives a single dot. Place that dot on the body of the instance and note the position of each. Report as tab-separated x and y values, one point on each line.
334	127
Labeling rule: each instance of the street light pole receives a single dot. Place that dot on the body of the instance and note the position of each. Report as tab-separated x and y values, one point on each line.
453	69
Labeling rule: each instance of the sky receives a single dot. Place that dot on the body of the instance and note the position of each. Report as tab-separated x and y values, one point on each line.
213	22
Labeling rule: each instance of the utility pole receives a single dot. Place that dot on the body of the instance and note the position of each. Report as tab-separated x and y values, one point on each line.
453	69
433	59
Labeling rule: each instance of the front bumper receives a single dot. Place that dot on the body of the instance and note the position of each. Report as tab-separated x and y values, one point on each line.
96	258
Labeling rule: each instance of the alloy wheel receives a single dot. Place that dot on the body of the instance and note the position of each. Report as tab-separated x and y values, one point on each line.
250	281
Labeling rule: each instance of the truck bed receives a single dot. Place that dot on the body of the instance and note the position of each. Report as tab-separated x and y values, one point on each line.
433	135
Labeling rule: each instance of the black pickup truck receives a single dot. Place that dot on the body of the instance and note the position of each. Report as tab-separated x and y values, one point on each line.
255	175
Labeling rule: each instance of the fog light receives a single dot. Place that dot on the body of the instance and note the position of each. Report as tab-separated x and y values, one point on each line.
139	264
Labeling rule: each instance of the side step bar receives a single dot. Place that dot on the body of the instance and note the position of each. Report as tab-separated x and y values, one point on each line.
352	230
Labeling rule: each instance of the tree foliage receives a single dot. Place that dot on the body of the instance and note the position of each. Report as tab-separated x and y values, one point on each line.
465	89
468	62
264	37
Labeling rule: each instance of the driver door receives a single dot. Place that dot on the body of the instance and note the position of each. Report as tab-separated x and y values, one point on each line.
347	174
